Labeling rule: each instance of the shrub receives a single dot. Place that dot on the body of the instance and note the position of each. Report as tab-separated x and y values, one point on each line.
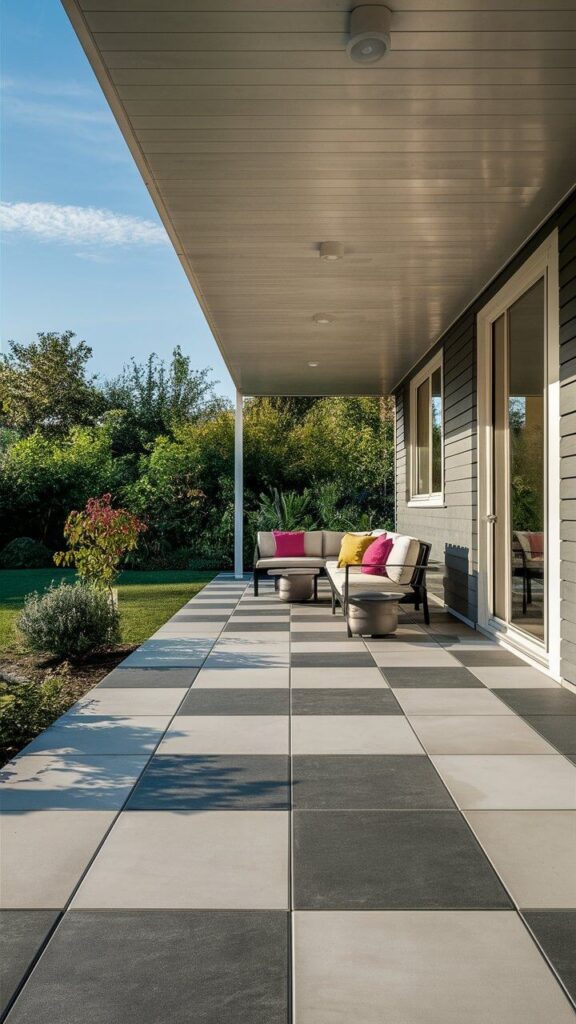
99	537
69	621
25	553
26	708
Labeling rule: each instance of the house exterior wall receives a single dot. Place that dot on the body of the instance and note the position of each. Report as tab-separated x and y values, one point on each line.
452	528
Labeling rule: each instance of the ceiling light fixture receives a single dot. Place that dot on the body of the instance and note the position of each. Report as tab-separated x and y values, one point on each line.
312	364
322	318
369	34
331	250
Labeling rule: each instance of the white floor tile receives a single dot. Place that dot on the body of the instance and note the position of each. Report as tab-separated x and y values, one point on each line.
508	781
422	967
212	860
533	852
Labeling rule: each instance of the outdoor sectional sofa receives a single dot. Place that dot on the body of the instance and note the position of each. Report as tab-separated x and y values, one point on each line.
405	568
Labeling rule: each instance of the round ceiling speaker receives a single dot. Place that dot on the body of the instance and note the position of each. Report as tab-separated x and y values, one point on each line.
331	250
369	34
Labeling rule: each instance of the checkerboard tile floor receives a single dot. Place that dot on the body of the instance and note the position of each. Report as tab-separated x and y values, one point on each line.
257	820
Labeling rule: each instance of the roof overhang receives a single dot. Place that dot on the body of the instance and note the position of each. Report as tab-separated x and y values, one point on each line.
258	139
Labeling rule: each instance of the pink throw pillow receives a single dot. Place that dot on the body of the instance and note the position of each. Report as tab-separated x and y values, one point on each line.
375	557
289	544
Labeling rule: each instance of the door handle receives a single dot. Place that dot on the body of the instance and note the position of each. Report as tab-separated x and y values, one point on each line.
491	519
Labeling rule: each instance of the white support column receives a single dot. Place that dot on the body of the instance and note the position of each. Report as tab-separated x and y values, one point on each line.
239	488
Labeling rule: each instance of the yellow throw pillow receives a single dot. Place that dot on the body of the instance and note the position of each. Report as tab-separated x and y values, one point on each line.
352	548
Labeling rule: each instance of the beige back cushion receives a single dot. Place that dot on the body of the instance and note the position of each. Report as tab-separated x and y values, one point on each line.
312	544
266	544
331	541
403	558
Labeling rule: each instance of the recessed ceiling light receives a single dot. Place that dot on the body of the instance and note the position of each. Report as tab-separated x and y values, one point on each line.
331	250
369	34
312	364
322	318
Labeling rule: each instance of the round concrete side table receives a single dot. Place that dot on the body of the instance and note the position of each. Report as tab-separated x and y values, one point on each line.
373	614
294	584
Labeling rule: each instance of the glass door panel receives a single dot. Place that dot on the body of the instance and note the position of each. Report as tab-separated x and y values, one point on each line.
519	464
527	459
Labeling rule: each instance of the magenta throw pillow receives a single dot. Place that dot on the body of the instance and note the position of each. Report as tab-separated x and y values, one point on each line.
289	544
375	557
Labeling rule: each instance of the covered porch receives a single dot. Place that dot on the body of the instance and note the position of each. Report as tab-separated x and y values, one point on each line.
257	818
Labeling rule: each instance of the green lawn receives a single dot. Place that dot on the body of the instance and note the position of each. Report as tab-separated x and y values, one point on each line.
146	599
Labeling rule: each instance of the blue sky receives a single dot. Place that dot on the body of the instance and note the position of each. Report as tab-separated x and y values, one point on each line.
83	245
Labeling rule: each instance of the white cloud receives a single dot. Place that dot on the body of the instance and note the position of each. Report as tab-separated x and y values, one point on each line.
79	225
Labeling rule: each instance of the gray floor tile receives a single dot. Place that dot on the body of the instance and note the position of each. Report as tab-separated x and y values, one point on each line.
556	933
236	702
344	702
488	658
419	677
425	860
539	702
514	678
22	933
559	730
333	660
161	968
123	677
372	782
195	783
170	653
409	967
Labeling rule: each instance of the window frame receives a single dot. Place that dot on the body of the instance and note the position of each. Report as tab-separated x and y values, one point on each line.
429	498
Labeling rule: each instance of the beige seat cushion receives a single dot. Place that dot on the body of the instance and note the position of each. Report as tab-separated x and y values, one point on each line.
290	563
358	580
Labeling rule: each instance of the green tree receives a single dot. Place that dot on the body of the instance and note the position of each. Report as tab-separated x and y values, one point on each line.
45	385
156	398
43	478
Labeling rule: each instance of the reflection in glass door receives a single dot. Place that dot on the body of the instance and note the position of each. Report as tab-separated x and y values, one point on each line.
519	463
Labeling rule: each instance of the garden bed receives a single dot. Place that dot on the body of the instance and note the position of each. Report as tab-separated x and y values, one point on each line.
146	601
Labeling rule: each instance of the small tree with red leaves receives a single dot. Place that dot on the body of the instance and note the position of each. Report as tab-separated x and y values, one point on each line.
98	538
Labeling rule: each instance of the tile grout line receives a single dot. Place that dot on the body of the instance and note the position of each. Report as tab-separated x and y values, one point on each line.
61	912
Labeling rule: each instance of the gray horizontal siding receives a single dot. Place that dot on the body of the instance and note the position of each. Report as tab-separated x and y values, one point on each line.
452	529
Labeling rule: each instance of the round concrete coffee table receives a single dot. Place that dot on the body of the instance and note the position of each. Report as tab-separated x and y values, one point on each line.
295	584
373	613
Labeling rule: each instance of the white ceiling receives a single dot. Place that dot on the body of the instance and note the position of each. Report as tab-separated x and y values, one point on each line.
259	139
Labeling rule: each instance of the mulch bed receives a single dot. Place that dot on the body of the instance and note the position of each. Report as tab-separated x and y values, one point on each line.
79	677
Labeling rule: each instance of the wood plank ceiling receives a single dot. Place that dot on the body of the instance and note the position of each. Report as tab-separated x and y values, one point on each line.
258	139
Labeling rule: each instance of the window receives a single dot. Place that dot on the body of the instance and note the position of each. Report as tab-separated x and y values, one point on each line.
426	433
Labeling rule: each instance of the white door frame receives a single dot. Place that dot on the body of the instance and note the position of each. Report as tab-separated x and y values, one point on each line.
542	263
